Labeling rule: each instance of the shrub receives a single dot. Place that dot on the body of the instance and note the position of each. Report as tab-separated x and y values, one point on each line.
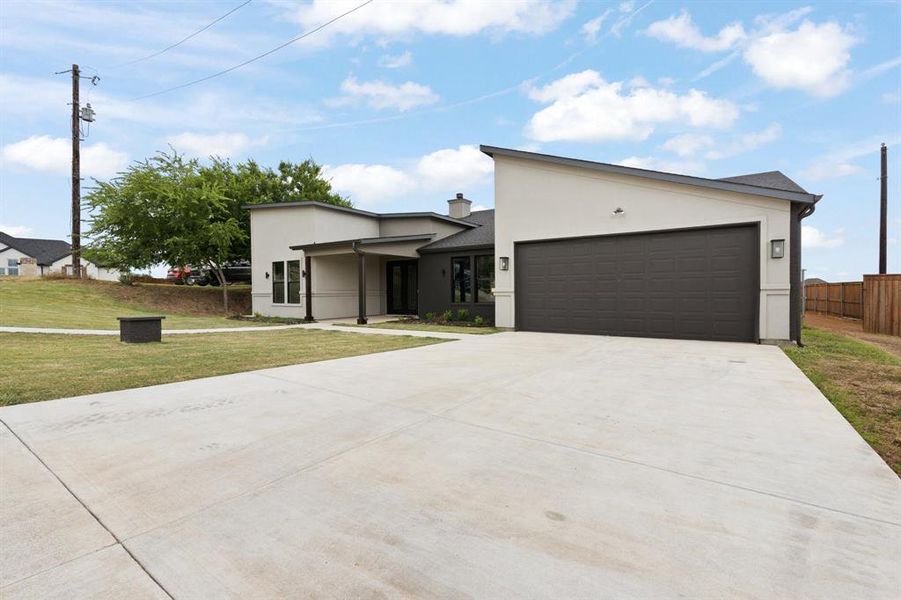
463	314
430	316
447	315
126	279
478	321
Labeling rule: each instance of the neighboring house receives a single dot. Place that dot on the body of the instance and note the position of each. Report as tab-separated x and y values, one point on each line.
36	258
572	246
814	281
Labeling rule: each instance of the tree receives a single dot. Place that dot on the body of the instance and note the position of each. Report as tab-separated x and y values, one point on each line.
168	209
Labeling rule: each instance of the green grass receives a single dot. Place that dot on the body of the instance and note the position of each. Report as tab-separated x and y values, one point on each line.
862	381
46	366
419	326
95	305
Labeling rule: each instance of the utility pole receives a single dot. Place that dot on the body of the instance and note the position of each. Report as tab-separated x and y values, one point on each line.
883	213
76	175
79	114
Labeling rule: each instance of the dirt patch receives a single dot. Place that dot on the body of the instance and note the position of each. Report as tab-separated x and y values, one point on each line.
179	299
853	328
860	378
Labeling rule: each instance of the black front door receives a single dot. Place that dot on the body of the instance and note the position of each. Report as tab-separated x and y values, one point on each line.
403	287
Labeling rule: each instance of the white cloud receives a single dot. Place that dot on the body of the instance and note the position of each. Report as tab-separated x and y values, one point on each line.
444	171
33	98
812	58
811	237
15	230
687	144
584	107
891	98
840	162
392	20
682	167
54	155
224	144
476	207
682	31
381	94
747	142
590	29
830	170
396	61
454	168
368	184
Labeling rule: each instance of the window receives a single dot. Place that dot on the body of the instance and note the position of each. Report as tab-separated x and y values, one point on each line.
12	266
461	278
484	278
278	283
293	282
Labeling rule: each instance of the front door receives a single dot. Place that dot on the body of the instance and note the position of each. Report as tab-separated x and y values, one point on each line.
403	287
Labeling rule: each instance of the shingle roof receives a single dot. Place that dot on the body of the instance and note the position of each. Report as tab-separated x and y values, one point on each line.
483	235
774	180
46	252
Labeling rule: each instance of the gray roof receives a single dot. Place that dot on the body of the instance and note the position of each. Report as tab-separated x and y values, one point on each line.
46	252
776	180
389	239
357	211
482	235
761	188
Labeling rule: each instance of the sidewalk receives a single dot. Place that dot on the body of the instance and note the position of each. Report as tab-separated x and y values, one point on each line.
328	325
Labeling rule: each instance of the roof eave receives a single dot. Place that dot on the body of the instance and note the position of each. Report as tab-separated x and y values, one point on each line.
728	186
357	211
451	249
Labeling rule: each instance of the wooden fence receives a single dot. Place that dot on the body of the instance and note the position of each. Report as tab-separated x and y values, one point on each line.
882	304
839	299
876	300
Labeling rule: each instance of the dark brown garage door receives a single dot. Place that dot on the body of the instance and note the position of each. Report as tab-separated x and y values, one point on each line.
691	284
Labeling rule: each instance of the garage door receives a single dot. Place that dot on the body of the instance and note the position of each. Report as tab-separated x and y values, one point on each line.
690	284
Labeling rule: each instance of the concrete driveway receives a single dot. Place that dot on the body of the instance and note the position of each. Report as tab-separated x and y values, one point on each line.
510	465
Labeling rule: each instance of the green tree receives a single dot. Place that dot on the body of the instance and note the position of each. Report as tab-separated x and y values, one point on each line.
168	209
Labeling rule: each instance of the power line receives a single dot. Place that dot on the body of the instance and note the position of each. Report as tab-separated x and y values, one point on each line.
183	40
258	57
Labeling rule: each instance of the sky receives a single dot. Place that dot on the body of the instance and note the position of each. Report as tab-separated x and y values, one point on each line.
395	98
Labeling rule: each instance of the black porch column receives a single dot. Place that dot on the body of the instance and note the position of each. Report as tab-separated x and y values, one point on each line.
361	266
308	287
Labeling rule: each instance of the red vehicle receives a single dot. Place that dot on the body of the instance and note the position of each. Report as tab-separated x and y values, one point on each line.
178	275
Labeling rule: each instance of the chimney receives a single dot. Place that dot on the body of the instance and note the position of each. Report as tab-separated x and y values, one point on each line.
458	207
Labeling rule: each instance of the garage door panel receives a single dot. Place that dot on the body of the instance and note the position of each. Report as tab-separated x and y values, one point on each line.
684	284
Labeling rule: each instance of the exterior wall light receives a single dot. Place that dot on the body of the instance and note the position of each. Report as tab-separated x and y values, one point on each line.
777	248
504	263
618	211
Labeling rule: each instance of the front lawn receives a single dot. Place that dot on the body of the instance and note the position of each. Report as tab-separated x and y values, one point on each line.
421	326
862	381
87	304
42	366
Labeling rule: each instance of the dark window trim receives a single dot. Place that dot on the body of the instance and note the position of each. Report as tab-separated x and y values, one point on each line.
288	281
453	280
284	283
473	276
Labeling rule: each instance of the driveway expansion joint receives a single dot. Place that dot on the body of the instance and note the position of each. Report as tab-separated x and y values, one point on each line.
96	517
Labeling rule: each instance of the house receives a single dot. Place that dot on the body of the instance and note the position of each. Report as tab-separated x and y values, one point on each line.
572	246
37	257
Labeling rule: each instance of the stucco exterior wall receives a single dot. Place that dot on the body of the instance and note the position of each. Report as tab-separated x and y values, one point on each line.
334	272
416	225
535	201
